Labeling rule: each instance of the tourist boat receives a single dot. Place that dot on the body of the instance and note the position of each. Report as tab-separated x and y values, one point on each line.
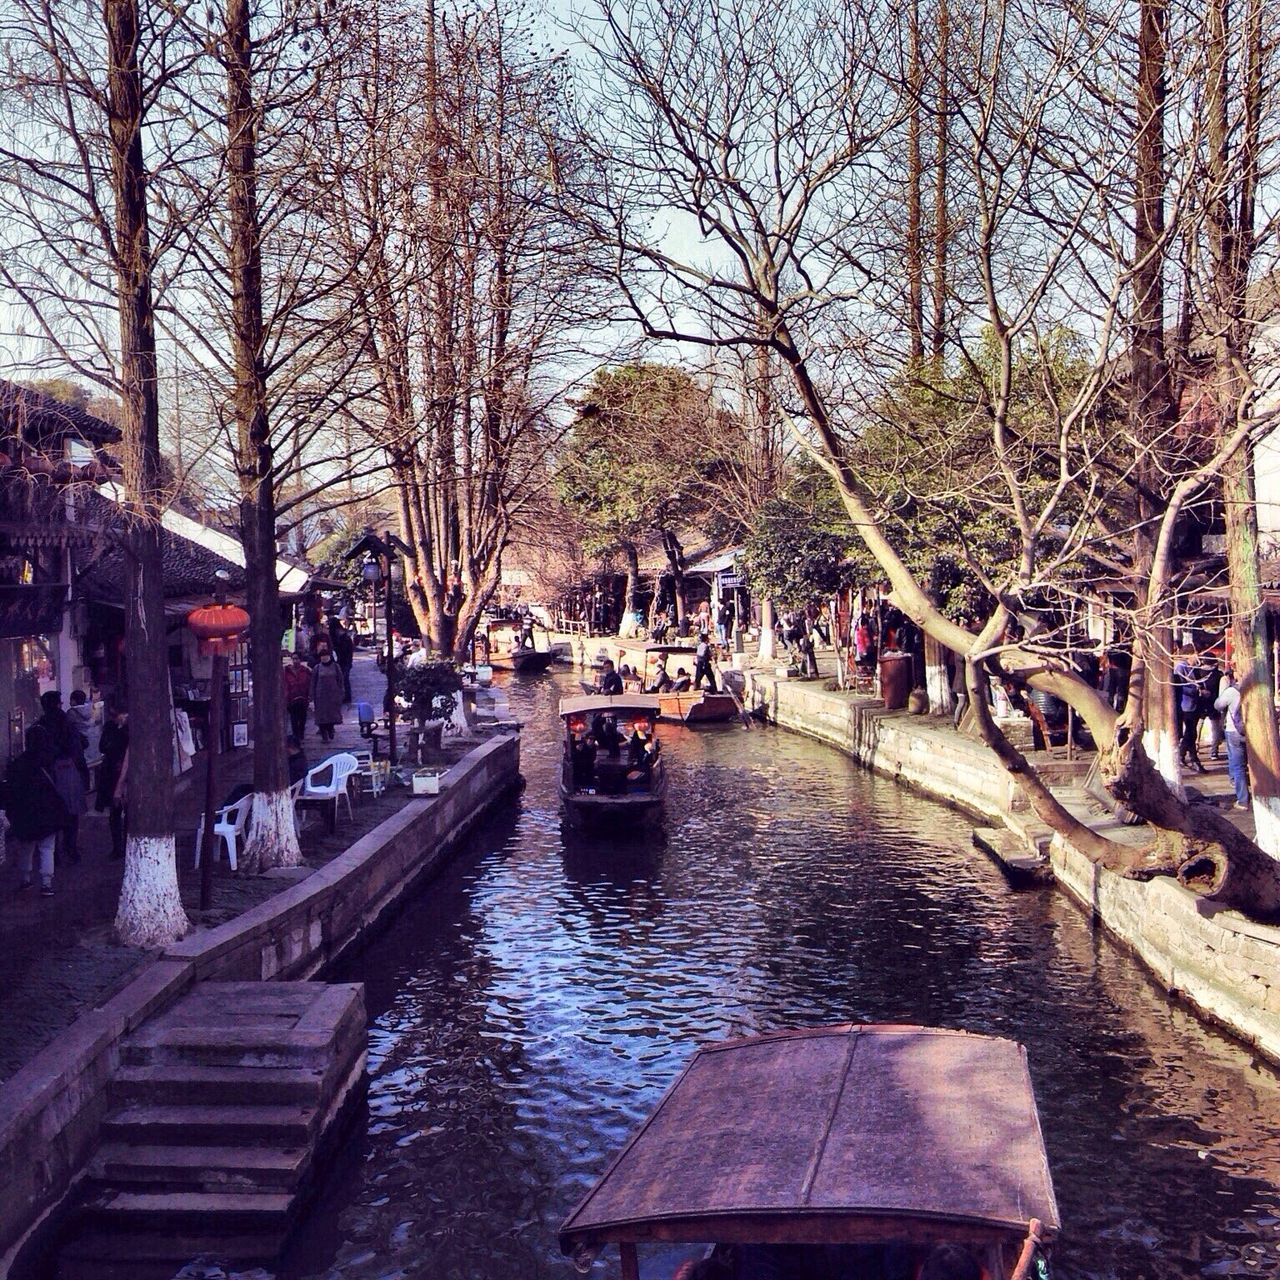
499	645
691	706
869	1148
611	791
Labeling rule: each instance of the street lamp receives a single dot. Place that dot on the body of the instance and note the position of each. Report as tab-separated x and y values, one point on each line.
381	564
218	627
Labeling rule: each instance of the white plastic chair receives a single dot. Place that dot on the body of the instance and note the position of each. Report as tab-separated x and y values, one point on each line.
228	826
314	791
371	774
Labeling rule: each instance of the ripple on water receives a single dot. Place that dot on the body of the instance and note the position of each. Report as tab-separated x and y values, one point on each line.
534	1002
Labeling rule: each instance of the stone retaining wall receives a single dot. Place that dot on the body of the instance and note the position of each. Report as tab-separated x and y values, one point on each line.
1225	966
51	1109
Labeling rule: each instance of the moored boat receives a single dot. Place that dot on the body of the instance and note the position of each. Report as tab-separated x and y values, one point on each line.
688	706
846	1153
612	772
508	645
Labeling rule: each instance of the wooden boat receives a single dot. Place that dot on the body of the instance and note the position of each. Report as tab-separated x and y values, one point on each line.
500	644
690	706
603	790
845	1151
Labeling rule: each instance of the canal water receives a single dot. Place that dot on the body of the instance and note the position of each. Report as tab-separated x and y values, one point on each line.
533	1003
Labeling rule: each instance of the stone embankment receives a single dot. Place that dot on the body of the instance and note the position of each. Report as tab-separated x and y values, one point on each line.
52	1110
1223	965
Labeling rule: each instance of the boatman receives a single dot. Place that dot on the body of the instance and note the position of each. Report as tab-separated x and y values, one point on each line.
702	664
610	680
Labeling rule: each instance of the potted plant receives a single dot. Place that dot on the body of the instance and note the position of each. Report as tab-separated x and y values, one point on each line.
430	692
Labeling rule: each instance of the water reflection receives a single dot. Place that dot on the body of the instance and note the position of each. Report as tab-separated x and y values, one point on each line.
534	1003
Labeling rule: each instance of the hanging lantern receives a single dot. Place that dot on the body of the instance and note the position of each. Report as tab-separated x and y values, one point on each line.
218	627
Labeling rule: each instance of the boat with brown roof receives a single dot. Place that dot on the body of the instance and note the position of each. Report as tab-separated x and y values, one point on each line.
612	772
836	1153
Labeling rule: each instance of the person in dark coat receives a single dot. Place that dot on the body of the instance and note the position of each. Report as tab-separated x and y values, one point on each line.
70	771
326	694
344	653
114	745
35	808
702	664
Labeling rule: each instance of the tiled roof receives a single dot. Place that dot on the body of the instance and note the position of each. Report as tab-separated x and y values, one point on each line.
189	568
40	420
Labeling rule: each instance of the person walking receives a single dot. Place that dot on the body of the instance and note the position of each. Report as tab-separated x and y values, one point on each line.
702	664
114	746
326	694
297	693
1188	685
35	808
1209	704
1228	703
70	771
344	653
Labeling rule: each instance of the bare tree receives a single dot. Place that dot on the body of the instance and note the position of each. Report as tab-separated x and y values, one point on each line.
769	133
84	169
471	286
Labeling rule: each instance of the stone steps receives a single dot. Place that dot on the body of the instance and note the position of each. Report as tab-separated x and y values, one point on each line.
205	1169
112	1254
178	1083
141	1123
220	1106
208	1213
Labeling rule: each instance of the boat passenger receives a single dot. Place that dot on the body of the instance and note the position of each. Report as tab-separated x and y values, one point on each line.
661	679
951	1262
682	682
604	729
642	754
582	756
610	680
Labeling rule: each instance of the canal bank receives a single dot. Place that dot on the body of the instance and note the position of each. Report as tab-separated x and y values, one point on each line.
53	1108
1224	965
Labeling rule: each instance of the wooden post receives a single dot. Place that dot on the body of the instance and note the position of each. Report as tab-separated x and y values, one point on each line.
630	1267
213	745
391	665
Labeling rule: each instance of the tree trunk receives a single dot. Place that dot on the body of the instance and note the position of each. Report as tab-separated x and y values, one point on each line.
675	558
273	836
1230	211
631	592
1151	411
941	214
768	640
914	248
150	910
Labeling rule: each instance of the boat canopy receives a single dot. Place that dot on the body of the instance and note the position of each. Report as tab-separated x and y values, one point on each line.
832	1135
623	704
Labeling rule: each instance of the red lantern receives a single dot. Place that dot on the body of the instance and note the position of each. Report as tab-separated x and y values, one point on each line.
219	627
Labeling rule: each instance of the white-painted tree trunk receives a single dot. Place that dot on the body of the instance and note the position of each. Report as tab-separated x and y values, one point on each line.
1266	816
150	912
767	646
937	683
273	832
1162	751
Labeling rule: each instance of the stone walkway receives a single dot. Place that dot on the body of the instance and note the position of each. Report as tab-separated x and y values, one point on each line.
56	954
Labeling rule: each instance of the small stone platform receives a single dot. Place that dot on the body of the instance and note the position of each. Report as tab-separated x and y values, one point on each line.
220	1109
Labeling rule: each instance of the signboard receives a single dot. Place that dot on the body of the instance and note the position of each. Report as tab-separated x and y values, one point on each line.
731	579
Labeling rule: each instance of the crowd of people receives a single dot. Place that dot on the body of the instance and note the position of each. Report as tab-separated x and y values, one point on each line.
596	753
46	788
317	678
